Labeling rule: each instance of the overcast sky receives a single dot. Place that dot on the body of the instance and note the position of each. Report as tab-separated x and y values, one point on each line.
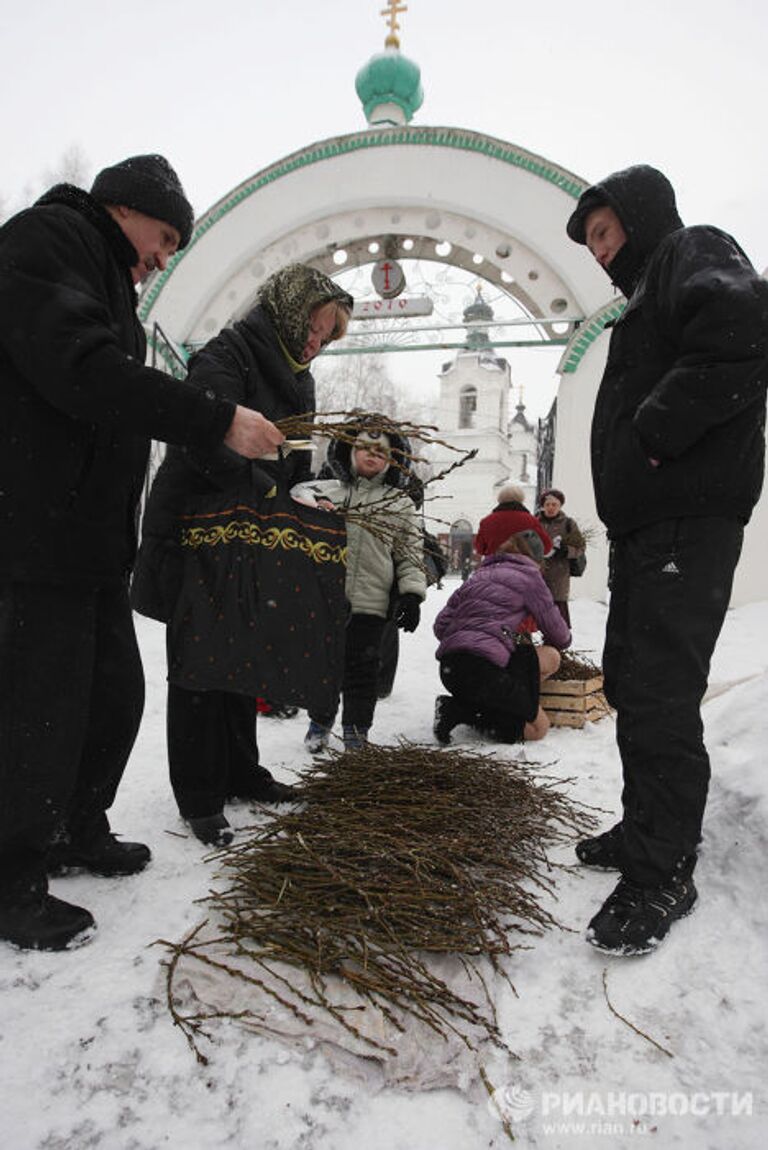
224	90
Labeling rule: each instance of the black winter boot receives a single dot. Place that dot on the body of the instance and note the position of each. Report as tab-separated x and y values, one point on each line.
450	713
603	851
261	787
275	792
101	853
634	919
39	921
213	830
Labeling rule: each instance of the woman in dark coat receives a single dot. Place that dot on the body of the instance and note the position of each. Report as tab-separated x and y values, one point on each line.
263	363
567	543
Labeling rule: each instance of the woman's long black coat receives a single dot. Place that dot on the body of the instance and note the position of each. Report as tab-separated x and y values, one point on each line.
245	364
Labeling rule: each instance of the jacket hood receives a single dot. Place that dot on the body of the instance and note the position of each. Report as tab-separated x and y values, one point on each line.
644	200
339	457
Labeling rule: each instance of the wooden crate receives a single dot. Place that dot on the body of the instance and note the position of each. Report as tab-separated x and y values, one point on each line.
574	702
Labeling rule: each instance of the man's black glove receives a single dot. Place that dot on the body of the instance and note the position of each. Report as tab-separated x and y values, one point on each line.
408	611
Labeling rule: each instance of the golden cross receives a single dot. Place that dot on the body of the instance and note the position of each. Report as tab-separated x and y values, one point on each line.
391	12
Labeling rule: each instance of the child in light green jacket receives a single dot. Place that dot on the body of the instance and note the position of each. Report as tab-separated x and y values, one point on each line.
385	567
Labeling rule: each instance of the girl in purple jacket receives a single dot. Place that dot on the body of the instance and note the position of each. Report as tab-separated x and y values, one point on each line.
492	672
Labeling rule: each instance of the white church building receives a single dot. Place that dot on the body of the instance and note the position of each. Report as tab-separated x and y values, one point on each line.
473	414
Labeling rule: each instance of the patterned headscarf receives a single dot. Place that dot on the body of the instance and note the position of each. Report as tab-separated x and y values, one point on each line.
290	296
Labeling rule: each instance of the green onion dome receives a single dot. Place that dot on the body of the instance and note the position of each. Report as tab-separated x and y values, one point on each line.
389	87
478	312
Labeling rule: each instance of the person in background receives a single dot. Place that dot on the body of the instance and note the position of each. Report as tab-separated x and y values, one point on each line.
678	445
509	516
384	565
78	408
491	670
435	560
567	543
262	361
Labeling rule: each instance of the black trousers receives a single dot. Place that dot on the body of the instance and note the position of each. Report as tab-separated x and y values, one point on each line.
670	587
212	750
497	699
389	655
71	700
362	645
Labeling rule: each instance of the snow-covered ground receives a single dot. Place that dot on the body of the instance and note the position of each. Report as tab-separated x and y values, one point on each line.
90	1057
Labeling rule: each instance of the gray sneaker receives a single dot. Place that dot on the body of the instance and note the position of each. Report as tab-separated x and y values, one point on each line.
355	738
317	738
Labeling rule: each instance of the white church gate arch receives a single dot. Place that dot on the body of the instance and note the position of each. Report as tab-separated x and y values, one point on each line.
458	196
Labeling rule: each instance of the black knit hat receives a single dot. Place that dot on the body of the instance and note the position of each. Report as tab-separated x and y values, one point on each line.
147	184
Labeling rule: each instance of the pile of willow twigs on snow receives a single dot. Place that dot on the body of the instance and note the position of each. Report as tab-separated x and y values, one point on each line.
396	853
575	665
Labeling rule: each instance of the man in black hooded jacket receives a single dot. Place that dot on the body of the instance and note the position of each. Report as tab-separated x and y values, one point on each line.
678	440
77	410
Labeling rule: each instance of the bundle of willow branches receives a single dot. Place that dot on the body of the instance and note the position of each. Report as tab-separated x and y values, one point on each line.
345	426
395	855
380	517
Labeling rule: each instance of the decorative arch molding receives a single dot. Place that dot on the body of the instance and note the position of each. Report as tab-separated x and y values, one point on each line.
501	209
586	334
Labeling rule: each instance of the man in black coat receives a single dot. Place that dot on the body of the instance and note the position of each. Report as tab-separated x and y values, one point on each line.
678	439
78	408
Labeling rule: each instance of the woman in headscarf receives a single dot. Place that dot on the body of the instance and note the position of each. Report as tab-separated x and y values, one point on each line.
262	362
567	543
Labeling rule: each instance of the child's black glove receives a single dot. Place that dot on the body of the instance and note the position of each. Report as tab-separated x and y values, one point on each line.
408	611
